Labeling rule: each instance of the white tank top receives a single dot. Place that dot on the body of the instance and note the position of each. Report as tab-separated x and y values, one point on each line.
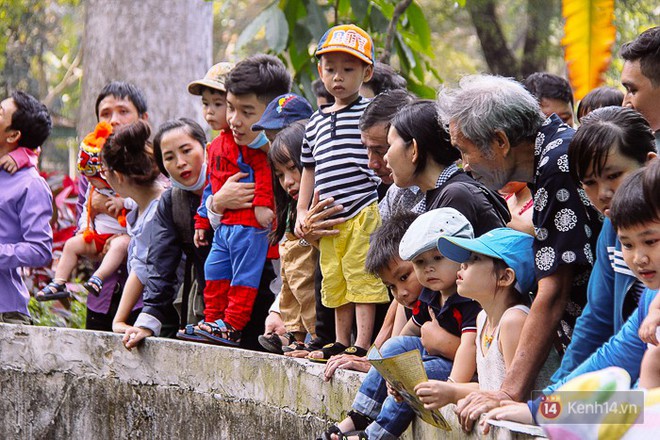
490	367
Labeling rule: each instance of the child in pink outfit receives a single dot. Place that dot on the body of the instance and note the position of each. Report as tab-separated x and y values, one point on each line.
19	158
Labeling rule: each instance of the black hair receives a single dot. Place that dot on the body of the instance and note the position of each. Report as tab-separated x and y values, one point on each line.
630	208
190	127
603	129
31	119
419	121
597	98
652	185
384	241
264	75
321	92
646	49
385	78
129	152
121	89
546	85
383	107
212	90
285	147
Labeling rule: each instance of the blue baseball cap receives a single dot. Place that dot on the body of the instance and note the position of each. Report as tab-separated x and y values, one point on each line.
284	111
509	245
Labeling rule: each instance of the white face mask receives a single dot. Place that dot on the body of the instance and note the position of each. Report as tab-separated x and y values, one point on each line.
201	180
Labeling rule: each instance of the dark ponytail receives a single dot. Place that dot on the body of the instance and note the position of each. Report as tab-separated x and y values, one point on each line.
129	152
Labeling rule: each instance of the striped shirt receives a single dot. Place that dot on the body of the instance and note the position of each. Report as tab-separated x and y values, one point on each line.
333	147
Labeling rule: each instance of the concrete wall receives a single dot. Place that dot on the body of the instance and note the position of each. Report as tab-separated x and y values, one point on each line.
77	384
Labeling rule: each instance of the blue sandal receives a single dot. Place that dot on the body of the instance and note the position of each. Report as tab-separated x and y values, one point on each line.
221	333
188	334
52	291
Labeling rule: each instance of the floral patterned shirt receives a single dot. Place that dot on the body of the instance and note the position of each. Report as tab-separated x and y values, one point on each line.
565	221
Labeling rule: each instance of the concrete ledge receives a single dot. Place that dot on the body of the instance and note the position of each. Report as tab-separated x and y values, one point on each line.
78	384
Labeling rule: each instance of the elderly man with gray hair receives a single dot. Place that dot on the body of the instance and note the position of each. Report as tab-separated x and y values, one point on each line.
503	136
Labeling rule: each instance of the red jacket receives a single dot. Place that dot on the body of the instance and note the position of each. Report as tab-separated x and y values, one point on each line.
223	162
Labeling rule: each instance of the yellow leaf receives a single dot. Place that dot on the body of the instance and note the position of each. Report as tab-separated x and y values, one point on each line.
589	34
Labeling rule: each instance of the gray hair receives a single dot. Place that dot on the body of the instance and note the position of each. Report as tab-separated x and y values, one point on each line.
484	104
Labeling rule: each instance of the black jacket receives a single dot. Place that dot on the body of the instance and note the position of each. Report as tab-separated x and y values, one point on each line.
483	208
165	253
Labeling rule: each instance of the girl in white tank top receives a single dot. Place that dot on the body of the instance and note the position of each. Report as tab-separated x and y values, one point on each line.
497	272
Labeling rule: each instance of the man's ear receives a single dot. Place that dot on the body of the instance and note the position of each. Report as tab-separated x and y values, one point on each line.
144	116
318	68
14	137
650	156
501	143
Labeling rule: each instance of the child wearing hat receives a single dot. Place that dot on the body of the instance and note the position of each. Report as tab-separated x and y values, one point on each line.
240	245
497	271
95	229
282	112
444	329
335	164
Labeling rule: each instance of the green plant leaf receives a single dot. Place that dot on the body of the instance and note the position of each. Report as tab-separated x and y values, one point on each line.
252	29
359	8
404	50
419	25
421	90
277	29
315	21
378	19
344	8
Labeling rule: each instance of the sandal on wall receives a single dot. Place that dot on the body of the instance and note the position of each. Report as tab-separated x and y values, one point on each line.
327	352
188	334
220	333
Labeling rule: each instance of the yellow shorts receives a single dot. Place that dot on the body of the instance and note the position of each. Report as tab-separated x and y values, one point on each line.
342	259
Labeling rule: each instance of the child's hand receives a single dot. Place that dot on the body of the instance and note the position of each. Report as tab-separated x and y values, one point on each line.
120	327
8	164
134	335
114	205
200	238
511	411
434	394
649	327
264	215
300	222
394	393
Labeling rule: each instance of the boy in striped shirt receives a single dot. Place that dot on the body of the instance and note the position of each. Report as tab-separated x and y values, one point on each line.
335	165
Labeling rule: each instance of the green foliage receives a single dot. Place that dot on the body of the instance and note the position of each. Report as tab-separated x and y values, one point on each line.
39	40
291	29
53	314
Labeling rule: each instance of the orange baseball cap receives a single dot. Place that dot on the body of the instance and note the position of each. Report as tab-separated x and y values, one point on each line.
350	39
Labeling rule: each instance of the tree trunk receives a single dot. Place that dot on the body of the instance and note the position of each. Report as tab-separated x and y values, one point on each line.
158	45
499	57
535	56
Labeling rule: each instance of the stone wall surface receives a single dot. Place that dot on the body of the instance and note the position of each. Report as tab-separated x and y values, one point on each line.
77	384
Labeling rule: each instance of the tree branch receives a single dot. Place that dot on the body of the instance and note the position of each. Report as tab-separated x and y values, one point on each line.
72	75
399	9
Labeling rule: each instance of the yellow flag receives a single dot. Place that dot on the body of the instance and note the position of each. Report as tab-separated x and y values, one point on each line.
589	34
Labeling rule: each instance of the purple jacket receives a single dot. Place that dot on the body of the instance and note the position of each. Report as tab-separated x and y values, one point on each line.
26	238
